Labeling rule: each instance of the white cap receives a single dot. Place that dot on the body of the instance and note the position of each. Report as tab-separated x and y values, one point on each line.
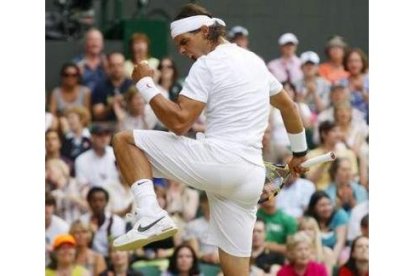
288	38
238	30
309	56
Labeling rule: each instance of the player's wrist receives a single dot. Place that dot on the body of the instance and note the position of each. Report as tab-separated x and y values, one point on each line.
298	143
147	88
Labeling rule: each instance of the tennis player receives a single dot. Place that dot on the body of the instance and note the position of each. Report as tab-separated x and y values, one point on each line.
234	86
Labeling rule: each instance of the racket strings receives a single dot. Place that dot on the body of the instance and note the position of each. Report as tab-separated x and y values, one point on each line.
275	176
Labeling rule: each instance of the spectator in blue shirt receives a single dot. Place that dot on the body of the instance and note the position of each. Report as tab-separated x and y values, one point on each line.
92	62
109	91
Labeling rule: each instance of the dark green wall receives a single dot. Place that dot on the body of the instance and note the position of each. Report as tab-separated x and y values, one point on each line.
313	21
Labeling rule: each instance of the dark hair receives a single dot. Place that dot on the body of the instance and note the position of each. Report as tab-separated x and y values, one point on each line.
174	68
50	199
333	169
215	31
289	83
363	56
325	127
315	198
67	65
261	220
53	261
365	221
50	130
95	190
351	263
172	267
203	196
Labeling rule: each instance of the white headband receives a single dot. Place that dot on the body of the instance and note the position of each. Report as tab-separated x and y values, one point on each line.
192	23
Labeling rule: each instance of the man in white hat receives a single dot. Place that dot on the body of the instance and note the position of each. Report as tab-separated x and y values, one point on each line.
287	66
234	86
240	36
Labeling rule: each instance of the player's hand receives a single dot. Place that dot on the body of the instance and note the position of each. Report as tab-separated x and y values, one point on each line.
295	165
141	70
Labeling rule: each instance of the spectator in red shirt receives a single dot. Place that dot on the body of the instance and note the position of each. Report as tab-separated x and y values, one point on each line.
299	255
333	70
358	263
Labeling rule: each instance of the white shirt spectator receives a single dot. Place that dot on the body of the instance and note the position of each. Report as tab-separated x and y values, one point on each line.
354	224
120	197
294	199
328	115
284	69
198	229
93	170
57	226
113	225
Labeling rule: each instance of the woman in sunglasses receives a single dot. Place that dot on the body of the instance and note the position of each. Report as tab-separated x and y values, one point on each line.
70	92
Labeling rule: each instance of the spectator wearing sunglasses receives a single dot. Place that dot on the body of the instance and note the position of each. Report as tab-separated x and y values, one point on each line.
70	92
169	78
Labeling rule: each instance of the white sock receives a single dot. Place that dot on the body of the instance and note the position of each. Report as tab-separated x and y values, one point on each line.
144	194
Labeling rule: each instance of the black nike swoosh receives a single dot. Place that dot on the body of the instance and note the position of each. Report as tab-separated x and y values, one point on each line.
142	182
145	228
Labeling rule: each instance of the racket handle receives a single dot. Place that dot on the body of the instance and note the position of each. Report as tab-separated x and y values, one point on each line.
330	156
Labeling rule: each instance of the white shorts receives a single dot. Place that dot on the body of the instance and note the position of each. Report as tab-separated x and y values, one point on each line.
233	185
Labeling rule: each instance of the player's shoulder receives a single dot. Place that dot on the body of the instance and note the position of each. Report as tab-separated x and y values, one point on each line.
199	67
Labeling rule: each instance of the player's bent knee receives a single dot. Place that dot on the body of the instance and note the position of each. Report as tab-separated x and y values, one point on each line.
122	139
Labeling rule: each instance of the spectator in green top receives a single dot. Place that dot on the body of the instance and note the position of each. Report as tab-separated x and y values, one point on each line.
279	225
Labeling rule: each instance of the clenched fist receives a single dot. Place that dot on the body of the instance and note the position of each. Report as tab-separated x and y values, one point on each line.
141	70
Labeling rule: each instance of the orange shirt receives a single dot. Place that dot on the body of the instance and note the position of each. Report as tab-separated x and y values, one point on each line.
332	74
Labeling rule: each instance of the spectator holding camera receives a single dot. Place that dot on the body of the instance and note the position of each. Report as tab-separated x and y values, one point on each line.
313	89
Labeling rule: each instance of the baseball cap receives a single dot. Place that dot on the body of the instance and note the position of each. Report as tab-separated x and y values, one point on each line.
238	30
63	239
309	57
100	129
288	38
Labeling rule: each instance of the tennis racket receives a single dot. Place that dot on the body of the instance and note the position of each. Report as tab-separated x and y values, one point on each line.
278	175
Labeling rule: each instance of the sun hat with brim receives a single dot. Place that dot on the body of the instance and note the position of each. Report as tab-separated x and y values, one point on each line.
63	239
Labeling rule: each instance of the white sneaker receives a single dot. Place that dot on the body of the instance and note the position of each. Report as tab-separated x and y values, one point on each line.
148	228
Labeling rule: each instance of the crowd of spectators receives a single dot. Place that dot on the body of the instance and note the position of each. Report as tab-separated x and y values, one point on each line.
317	225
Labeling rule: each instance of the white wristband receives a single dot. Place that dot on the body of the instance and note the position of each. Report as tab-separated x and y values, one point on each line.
298	141
147	88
